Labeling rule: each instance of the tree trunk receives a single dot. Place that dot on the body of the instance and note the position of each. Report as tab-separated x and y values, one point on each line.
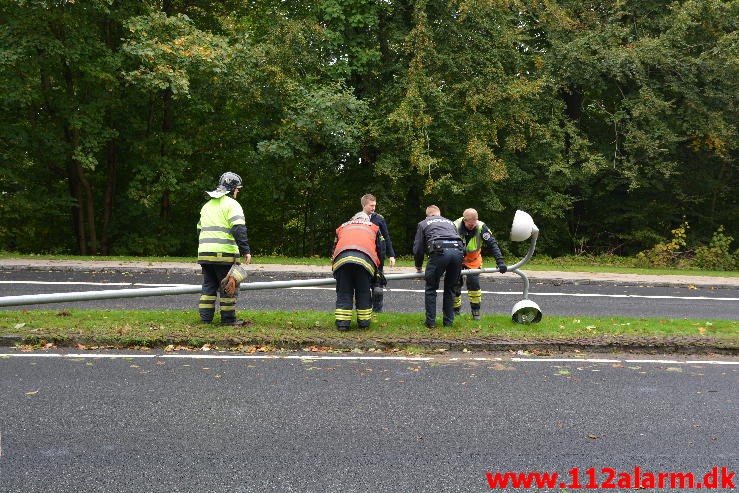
85	198
111	156
165	206
110	182
77	218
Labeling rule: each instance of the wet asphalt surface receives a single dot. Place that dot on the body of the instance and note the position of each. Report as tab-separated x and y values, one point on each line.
163	424
499	295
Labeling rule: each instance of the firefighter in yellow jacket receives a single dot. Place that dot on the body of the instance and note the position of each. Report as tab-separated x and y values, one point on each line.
357	255
222	240
474	233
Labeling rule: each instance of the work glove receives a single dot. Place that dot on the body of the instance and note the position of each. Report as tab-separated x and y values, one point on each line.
230	284
502	268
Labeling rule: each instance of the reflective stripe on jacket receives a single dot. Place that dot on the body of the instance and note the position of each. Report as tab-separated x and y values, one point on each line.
360	236
216	243
473	249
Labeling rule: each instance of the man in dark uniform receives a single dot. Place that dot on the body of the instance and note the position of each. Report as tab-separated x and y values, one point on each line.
439	237
358	252
369	204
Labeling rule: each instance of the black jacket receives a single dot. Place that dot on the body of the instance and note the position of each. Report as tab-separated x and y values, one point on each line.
430	229
380	221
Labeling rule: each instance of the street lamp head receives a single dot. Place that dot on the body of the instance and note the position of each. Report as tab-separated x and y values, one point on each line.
526	312
523	226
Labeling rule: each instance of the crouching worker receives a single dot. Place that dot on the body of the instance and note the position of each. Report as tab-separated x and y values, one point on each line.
358	252
222	241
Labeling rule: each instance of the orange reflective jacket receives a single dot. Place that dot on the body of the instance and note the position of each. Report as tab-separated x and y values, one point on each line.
360	236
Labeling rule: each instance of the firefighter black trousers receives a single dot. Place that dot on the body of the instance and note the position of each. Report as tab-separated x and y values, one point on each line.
212	276
353	284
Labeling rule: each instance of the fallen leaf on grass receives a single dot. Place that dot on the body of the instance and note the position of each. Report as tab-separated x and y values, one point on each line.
316	349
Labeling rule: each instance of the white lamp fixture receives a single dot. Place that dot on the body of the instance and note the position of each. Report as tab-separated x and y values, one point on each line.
523	228
526	312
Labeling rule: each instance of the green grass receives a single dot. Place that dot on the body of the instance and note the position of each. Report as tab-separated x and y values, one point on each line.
608	263
299	329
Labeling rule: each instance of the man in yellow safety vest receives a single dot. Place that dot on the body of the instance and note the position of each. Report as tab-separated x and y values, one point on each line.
474	233
222	241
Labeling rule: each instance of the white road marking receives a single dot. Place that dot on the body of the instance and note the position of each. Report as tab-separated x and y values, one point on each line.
301	357
574	295
655	297
390	290
567	360
110	356
318	357
87	283
31	355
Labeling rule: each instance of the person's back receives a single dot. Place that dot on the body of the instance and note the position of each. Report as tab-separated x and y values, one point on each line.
222	240
438	236
357	255
216	242
357	243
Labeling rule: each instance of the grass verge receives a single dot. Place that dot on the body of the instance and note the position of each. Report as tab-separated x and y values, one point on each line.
389	332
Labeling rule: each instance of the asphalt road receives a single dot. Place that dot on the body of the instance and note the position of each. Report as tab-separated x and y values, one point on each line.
499	295
172	423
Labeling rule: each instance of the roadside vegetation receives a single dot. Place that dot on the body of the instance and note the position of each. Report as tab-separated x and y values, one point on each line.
612	123
314	330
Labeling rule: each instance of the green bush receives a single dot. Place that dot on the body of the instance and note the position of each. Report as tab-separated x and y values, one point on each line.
717	255
668	254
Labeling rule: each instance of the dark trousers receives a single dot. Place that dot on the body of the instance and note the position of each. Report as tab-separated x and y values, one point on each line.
473	290
213	274
447	263
353	284
378	292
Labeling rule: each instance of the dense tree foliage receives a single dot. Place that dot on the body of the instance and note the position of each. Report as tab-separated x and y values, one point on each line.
611	122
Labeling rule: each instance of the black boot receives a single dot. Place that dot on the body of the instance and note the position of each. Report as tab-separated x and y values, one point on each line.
342	325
